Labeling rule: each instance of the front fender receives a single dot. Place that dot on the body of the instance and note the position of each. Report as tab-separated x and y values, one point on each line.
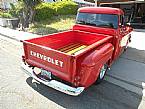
92	63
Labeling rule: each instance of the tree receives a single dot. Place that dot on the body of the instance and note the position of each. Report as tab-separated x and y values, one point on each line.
28	11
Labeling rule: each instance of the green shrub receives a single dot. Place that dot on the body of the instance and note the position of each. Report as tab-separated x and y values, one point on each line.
44	11
67	8
5	15
47	10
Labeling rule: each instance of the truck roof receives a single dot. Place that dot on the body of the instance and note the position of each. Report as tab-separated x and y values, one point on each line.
101	10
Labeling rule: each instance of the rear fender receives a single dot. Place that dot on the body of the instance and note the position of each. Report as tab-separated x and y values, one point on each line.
92	64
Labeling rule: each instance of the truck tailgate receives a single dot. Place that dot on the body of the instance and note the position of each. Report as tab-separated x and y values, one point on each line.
49	59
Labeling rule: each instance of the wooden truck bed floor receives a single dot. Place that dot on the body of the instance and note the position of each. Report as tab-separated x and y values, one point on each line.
72	48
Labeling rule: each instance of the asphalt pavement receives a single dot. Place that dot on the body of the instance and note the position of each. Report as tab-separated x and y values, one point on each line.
129	70
18	91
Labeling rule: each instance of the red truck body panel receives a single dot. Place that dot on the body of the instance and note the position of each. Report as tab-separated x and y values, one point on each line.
93	29
92	62
101	10
39	48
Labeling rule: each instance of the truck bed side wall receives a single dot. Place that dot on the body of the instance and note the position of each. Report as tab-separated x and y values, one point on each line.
92	62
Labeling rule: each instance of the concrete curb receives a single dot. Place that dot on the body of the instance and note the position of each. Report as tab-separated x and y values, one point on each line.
17	35
10	37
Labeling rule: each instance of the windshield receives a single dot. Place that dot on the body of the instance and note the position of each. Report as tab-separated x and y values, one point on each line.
99	20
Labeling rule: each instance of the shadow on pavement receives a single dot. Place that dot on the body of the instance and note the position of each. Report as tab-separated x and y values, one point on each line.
103	96
134	55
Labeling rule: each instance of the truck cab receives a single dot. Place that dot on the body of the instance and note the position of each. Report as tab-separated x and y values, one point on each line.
108	21
73	60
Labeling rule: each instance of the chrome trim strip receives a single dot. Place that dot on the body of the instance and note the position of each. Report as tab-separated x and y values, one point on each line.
54	84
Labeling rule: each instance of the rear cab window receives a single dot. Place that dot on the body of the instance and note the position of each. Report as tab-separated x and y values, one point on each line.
98	20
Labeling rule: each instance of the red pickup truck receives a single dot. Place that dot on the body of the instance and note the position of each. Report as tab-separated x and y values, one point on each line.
72	60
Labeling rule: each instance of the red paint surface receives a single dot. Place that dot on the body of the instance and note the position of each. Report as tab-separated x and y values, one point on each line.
101	10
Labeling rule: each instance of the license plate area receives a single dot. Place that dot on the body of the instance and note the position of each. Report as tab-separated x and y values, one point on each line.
46	74
43	74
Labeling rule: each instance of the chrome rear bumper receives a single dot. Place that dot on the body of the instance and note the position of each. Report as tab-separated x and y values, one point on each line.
55	84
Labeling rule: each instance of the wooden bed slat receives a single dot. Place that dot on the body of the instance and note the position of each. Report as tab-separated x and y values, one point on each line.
72	48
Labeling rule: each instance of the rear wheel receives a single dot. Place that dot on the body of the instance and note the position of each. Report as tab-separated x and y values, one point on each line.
102	73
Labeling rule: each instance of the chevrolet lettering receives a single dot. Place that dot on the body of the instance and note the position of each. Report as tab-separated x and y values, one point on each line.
46	58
